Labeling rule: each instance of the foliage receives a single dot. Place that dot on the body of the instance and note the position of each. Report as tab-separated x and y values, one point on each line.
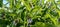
30	13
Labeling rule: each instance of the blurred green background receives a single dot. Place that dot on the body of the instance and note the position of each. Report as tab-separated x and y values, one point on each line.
29	13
